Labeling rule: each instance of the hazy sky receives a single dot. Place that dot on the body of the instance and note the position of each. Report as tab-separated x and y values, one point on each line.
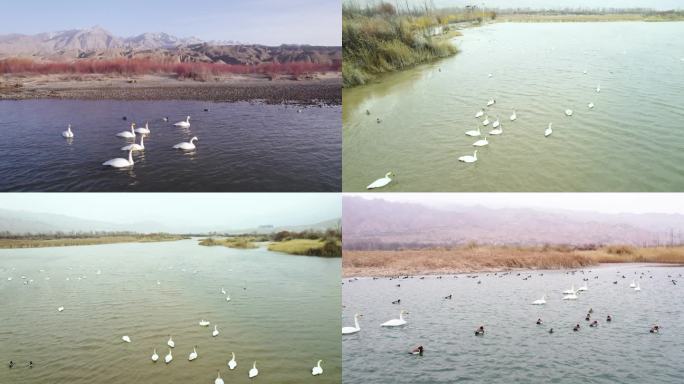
271	22
192	210
539	4
597	202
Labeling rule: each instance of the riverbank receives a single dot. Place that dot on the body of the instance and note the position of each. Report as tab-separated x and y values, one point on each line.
589	17
231	242
474	259
319	89
46	241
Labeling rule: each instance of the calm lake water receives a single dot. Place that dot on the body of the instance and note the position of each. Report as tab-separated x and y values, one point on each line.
515	349
630	141
242	147
286	319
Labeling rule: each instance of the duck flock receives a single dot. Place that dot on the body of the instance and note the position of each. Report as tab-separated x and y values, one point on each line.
121	162
570	294
170	343
497	130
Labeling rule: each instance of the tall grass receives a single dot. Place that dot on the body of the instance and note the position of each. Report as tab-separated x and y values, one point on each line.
41	241
130	67
230	242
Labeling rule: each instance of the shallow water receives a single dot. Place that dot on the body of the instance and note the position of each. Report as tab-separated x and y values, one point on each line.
242	147
630	141
515	349
286	319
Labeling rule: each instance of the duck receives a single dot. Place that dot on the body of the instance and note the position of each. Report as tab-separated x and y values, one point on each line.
448	297
356	328
539	322
397	301
232	363
378	120
473	133
120	162
145	130
187	145
468	158
655	329
317	370
609	319
417	351
168	358
193	354
576	328
68	134
155	357
395	322
551	330
134	146
184	124
128	134
381	182
594	324
254	371
548	130
480	331
481	142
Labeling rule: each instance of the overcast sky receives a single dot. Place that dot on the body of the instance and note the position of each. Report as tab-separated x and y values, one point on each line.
596	202
270	22
543	4
191	210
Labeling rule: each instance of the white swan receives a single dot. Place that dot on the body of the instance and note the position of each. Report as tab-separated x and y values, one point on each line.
590	105
223	291
479	113
215	332
638	287
254	371
354	329
170	343
60	309
570	291
541	301
317	370
381	182
495	123
186	146
227	297
468	158
232	363
134	146
570	297
395	322
168	358
568	112
184	124
218	380
496	131
481	142
548	130
193	354
145	130
126	339
120	162
68	134
632	284
473	133
128	134
491	102
155	357
583	288
598	88
514	116
485	122
204	323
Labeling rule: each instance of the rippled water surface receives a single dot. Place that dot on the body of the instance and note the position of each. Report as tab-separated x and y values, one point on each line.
631	141
284	313
242	147
515	349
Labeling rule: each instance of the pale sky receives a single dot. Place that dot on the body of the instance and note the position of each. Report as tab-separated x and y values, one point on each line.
190	210
269	22
593	202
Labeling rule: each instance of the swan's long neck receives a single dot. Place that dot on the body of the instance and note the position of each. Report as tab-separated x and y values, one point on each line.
319	363
69	128
233	353
254	365
187	119
401	315
356	322
141	140
193	140
130	156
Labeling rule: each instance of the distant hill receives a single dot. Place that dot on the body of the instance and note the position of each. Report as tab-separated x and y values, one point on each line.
379	224
98	43
266	229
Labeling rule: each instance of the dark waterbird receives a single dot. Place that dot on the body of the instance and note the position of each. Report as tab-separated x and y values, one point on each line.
397	301
480	331
417	351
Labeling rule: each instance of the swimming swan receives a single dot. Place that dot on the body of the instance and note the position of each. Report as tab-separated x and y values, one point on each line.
218	380
216	332
145	130
155	357
568	112
590	105
317	370
496	131
254	371
204	323
354	329
496	123
491	102
168	358
232	363
473	132
184	124
548	130
68	134
469	159
395	322
570	291
193	354
541	301
481	142
170	343
479	113
128	134
134	146
186	146
485	122
381	182
514	116
120	162
126	339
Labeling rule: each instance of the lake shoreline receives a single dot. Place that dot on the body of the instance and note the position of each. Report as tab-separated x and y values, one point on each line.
316	91
26	243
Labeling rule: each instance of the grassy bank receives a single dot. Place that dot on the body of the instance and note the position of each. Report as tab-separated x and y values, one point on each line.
590	17
308	247
231	242
58	241
491	258
378	39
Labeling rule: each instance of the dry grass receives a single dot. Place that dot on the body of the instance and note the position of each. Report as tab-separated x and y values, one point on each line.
65	242
474	258
230	242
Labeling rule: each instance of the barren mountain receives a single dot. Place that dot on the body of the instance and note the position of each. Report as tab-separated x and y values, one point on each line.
97	42
379	224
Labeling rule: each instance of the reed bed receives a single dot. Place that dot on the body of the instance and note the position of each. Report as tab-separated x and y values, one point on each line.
46	241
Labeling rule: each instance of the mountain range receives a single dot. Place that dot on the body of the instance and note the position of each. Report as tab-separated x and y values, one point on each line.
98	43
379	224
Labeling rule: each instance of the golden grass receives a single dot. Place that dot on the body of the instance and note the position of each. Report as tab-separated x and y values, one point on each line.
296	246
474	258
65	242
230	242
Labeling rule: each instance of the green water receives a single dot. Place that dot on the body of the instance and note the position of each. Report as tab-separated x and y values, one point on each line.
284	313
631	141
